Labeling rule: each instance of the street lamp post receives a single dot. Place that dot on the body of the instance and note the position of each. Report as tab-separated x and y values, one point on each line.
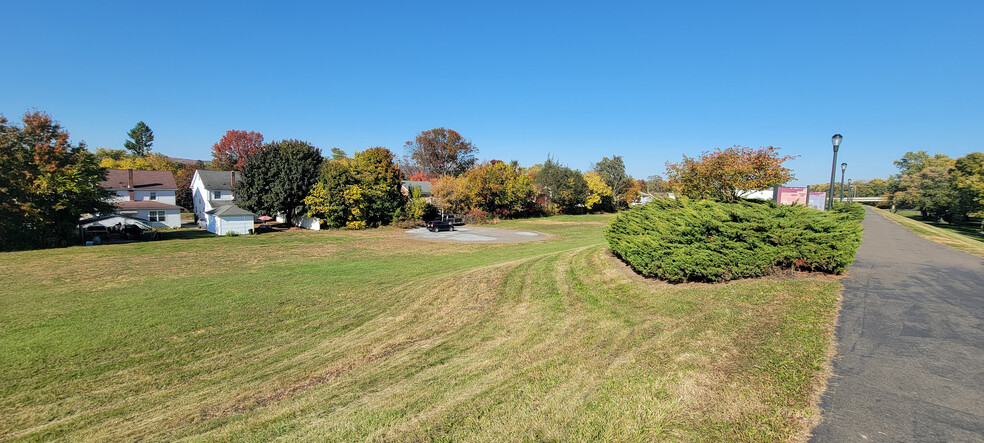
850	189
843	167
836	140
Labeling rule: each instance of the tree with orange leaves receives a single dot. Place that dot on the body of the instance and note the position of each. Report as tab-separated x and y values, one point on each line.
725	174
46	184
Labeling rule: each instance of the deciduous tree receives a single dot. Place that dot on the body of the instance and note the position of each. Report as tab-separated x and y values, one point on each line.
115	154
968	178
357	193
600	195
141	139
656	184
46	184
327	198
278	177
378	178
631	193
338	154
723	174
441	151
182	178
150	162
612	171
449	195
497	188
926	185
232	150
563	186
913	162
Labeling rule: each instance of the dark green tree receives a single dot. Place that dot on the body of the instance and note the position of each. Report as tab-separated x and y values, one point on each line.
913	162
278	177
564	186
141	139
968	179
46	184
338	154
926	184
612	171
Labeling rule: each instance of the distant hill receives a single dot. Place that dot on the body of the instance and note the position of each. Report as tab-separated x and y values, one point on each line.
185	161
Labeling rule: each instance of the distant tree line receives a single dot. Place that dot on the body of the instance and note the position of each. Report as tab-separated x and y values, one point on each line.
48	184
939	187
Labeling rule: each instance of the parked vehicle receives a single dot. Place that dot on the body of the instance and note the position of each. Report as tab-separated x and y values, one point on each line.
440	225
454	219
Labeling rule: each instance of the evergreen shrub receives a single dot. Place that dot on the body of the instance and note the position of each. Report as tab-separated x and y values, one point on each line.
685	240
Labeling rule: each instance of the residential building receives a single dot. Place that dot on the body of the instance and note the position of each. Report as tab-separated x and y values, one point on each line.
146	195
214	196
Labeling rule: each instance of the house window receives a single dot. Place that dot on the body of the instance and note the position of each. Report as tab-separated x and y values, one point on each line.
153	196
157	216
216	195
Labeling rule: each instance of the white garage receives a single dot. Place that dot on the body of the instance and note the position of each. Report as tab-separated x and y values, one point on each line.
228	218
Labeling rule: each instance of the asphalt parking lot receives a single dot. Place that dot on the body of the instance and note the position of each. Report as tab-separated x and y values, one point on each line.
469	234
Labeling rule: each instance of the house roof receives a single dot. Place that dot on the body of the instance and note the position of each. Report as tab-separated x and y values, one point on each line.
118	180
217	180
144	204
226	208
425	186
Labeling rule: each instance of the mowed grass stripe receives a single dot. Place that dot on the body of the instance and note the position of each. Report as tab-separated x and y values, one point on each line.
370	335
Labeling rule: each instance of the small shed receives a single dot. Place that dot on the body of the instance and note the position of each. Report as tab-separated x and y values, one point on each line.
226	217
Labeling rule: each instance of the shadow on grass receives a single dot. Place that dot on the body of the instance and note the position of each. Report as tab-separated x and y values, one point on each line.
972	230
185	234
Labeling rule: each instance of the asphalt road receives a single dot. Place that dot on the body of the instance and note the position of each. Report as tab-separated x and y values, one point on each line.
910	353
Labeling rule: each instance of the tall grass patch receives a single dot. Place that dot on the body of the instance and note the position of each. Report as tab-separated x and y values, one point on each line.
704	241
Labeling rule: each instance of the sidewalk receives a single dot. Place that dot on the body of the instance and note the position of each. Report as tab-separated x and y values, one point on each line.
910	354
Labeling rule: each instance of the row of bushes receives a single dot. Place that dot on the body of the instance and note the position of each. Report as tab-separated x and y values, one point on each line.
685	240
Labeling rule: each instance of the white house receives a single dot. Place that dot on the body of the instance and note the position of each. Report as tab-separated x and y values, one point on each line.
214	196
147	195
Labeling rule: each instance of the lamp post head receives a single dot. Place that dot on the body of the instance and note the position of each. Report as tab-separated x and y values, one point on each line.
836	140
843	167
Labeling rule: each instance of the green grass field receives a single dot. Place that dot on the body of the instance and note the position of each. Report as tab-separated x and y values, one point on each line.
965	238
369	335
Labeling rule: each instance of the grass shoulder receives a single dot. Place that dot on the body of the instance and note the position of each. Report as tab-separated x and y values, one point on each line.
967	239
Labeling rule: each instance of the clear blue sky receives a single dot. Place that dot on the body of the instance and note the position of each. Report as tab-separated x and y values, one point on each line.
577	80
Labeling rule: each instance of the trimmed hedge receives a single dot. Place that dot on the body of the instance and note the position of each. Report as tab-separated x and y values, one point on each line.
683	240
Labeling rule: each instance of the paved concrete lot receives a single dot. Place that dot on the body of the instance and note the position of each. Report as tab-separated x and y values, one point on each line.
477	234
910	357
